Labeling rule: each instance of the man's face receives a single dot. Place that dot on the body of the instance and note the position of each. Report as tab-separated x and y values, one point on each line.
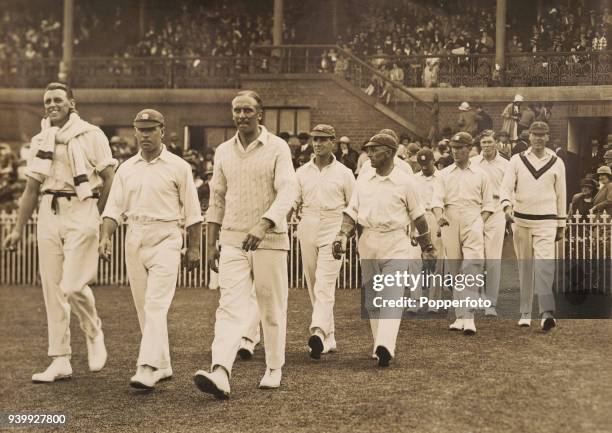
150	139
378	155
487	144
608	160
246	113
461	153
538	141
57	105
427	167
586	191
322	146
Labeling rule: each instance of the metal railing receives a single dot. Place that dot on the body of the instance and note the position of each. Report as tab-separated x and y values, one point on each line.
584	258
21	266
522	69
473	70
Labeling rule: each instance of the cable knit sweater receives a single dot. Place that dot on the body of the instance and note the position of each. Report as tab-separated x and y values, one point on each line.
248	185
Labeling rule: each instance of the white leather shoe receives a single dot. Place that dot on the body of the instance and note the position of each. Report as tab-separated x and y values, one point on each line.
215	383
59	369
162	374
457	325
96	352
525	321
246	349
271	379
469	327
491	312
144	378
329	344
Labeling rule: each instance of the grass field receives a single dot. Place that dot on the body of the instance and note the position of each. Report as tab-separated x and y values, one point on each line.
503	379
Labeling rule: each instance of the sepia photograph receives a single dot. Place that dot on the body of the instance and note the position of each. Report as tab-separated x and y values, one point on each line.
306	216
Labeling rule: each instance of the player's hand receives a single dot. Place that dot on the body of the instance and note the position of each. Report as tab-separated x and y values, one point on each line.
12	240
339	246
508	213
105	249
442	221
191	258
560	233
254	237
213	258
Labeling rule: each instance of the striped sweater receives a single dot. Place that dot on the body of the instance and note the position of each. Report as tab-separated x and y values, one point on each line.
248	185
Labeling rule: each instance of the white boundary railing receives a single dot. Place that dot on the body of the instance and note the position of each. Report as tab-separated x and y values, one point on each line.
586	252
21	266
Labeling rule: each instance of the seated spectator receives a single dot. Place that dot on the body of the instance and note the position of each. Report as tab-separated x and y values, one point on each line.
583	201
603	199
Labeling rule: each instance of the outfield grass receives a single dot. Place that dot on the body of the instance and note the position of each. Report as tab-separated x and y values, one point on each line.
503	379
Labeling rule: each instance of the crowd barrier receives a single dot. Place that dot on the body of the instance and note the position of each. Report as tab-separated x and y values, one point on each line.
584	258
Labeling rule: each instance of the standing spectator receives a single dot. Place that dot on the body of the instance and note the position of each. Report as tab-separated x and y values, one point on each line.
412	149
431	72
522	144
468	119
346	155
483	119
527	118
305	151
511	116
603	199
503	144
174	145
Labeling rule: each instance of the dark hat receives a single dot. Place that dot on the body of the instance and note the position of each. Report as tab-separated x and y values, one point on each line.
323	130
424	156
382	140
539	128
148	118
413	148
461	139
589	182
503	133
303	136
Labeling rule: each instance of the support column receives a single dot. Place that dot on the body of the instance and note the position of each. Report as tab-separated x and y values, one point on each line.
65	69
500	34
334	23
142	14
277	29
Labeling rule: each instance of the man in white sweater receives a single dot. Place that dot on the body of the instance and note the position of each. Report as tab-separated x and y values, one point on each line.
252	190
536	181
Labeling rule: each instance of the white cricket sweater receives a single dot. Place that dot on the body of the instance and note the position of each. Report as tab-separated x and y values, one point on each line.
538	189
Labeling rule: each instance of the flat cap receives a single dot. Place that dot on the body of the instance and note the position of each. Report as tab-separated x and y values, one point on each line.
148	118
425	156
382	140
608	154
322	130
539	128
461	139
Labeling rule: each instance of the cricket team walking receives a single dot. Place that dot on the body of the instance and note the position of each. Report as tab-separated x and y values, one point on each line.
447	222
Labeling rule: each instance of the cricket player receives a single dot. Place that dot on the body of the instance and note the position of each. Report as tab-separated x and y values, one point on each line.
367	169
462	203
253	189
536	181
383	204
425	181
495	165
154	190
71	165
325	188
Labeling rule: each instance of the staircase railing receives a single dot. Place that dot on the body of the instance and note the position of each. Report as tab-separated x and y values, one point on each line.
332	59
